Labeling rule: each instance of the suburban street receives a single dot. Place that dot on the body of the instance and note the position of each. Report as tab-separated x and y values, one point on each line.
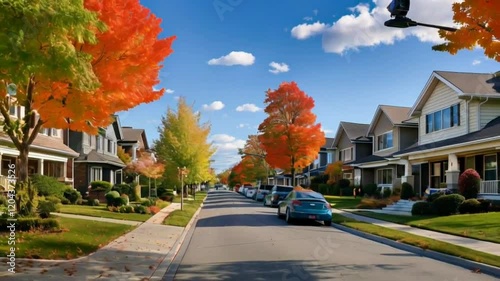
238	239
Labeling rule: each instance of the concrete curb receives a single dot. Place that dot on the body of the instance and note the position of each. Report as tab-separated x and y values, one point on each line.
164	267
467	264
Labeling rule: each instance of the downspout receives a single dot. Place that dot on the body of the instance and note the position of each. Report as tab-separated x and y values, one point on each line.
479	113
467	115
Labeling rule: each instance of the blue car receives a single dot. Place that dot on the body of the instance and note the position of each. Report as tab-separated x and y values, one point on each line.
305	204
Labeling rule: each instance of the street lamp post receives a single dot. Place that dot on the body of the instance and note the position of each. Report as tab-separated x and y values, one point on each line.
399	9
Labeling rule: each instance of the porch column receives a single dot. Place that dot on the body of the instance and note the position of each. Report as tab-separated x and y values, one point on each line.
134	152
453	172
408	177
65	170
40	166
1	164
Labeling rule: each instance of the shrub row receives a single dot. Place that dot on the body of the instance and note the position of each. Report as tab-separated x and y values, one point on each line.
450	204
28	224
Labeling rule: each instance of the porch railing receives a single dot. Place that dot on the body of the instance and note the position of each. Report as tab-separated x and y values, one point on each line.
490	187
4	182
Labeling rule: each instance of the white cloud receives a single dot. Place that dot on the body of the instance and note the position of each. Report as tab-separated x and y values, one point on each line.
169	91
306	30
216	105
250	107
308	18
278	67
243	125
234	58
315	11
327	131
364	27
476	62
224	142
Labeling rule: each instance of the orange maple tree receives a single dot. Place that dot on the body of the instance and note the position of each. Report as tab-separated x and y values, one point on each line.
126	60
290	134
479	26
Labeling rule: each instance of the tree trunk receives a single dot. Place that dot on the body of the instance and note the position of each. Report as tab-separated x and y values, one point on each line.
22	164
26	193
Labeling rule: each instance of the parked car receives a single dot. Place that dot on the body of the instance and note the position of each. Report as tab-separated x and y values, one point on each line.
305	204
262	191
278	193
250	192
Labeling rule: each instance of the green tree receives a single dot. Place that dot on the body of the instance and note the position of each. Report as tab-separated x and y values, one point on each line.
38	53
183	142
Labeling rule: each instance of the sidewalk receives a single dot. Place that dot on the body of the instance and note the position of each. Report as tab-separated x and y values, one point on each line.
478	245
137	255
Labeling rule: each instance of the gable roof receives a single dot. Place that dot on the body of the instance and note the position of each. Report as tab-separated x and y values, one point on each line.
45	144
95	157
466	85
134	135
117	127
329	143
354	131
491	130
397	115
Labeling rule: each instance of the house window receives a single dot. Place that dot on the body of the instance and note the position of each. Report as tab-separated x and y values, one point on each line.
98	142
95	174
347	154
490	167
49	132
53	169
384	141
443	119
384	176
110	146
13	110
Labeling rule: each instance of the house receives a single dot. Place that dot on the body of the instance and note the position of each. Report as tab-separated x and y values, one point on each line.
326	155
459	128
49	155
97	160
133	142
351	143
391	132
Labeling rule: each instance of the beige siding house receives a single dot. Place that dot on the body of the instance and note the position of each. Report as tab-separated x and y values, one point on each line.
459	128
391	132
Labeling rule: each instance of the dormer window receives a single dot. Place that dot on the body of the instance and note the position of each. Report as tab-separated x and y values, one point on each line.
443	119
51	132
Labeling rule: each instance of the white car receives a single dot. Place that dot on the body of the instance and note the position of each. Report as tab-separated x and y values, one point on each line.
250	192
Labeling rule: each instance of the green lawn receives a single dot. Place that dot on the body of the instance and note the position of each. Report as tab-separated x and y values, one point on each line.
182	218
419	241
102	212
343	202
479	226
74	241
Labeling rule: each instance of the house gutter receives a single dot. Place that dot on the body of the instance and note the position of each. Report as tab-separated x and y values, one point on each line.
448	146
479	113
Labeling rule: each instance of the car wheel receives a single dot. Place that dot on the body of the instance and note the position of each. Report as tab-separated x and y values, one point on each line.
328	223
288	218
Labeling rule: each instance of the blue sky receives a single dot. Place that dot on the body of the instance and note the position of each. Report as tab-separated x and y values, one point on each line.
229	52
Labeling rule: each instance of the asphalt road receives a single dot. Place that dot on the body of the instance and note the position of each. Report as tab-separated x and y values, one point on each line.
238	239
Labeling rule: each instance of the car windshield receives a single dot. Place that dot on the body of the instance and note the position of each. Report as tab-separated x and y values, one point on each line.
284	188
266	187
309	194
